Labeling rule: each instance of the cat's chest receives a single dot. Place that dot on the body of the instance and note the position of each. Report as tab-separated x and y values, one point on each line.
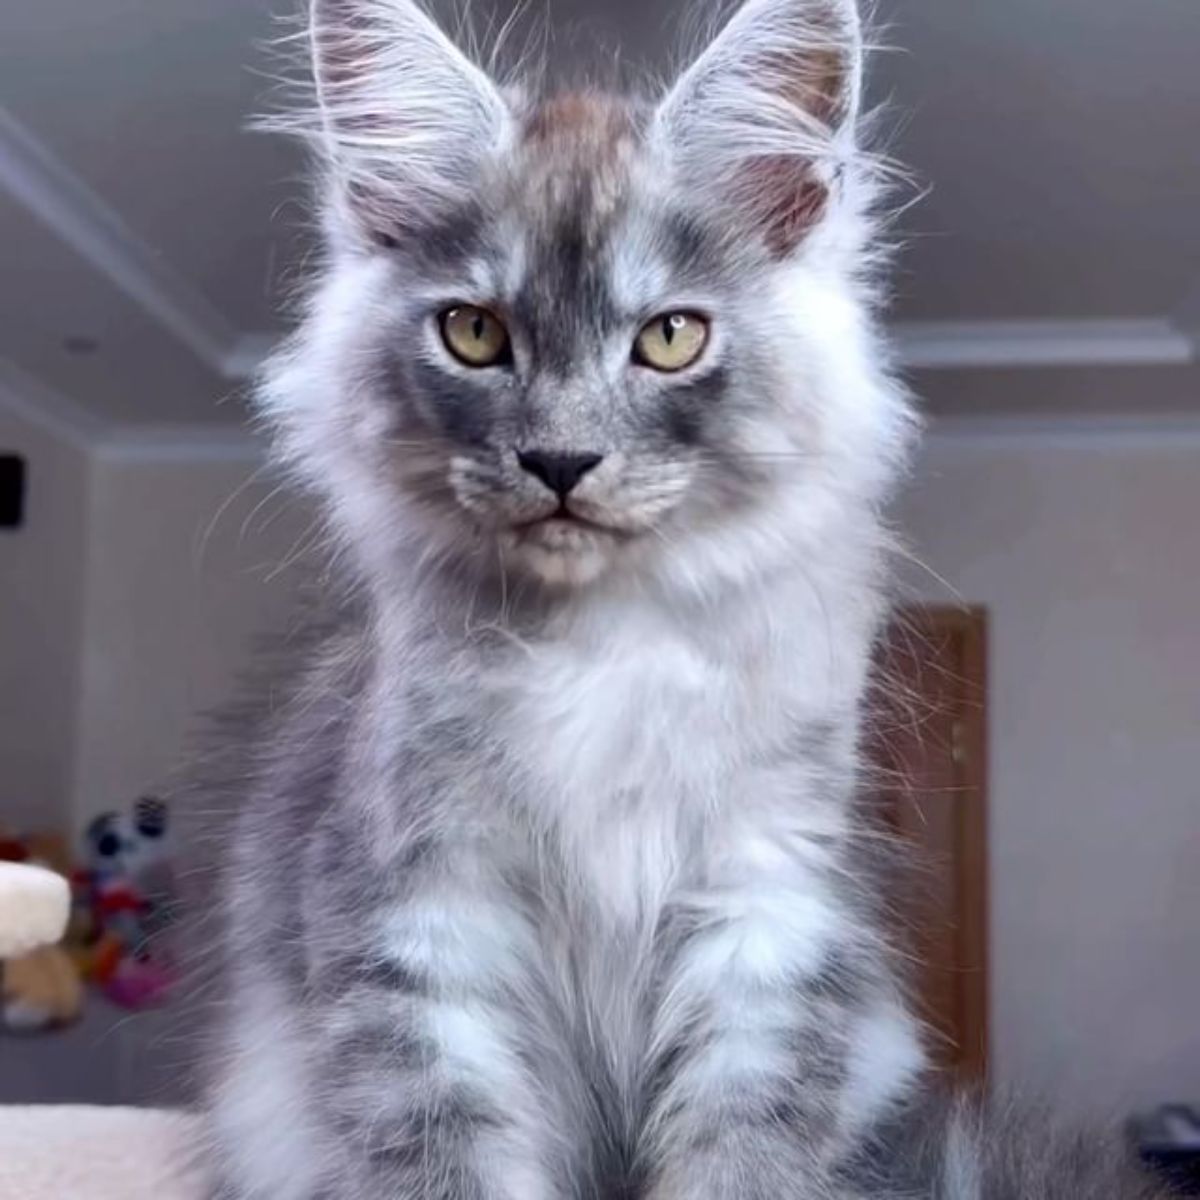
635	714
624	749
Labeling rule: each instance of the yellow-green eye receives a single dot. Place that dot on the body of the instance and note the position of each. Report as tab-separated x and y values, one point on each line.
475	336
672	341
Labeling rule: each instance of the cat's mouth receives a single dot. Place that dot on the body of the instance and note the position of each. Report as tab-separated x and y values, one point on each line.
564	547
563	518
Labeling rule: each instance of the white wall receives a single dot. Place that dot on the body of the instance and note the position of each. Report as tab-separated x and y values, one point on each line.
1087	553
41	609
184	570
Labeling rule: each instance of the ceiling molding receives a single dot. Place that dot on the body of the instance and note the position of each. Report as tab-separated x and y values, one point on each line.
248	354
1134	341
36	404
1187	315
58	198
1108	432
181	444
59	416
33	402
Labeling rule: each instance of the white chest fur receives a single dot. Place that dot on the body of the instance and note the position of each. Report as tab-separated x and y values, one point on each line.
642	729
627	733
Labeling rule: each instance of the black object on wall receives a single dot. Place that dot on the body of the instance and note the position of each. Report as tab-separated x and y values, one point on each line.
12	491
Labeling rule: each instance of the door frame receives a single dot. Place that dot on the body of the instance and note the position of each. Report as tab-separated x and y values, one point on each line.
969	628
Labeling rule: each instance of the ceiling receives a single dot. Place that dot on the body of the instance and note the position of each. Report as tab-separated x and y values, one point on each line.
147	240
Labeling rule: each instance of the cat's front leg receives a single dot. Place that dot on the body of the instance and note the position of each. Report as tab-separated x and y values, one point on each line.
422	1064
771	1050
748	1104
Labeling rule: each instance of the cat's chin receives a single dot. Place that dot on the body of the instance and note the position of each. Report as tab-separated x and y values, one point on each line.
561	553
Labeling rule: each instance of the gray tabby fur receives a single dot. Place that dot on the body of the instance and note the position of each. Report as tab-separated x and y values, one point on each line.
544	883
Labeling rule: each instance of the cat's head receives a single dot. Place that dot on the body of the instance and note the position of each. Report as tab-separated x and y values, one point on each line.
570	336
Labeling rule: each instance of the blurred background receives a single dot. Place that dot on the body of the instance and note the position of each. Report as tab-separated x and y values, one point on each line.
1047	311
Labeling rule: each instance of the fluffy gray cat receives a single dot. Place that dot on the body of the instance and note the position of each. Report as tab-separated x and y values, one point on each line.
544	886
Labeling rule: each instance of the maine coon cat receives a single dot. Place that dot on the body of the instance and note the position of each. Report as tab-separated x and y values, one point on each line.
544	886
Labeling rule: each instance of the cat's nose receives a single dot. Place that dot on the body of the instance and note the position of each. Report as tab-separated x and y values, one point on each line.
561	473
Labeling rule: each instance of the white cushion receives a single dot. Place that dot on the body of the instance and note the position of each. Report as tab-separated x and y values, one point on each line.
35	905
52	1153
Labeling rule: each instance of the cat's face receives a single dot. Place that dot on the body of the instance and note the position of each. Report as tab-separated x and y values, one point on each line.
574	362
574	336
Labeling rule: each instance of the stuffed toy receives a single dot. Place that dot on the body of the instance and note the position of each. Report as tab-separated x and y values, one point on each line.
39	986
127	891
41	990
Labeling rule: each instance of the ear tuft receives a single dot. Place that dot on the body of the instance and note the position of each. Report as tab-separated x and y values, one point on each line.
407	119
764	120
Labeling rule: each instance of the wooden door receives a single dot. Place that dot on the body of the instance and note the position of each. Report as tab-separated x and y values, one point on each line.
928	739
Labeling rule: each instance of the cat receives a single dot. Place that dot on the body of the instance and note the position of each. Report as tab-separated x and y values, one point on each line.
545	883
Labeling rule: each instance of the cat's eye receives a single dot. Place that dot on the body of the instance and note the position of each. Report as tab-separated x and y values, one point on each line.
476	337
672	341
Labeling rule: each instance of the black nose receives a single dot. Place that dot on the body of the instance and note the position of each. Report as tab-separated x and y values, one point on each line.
561	473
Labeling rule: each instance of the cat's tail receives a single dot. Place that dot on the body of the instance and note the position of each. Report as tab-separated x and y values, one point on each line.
962	1148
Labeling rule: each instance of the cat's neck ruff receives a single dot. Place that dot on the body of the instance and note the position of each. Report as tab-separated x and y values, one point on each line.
637	717
797	619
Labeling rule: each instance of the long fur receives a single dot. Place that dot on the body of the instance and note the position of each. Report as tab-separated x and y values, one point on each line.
546	883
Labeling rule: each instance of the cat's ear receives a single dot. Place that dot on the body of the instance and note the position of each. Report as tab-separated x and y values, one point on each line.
407	119
763	122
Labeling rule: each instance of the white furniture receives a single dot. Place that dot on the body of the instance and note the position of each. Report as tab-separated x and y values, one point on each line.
62	1153
34	907
76	1153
